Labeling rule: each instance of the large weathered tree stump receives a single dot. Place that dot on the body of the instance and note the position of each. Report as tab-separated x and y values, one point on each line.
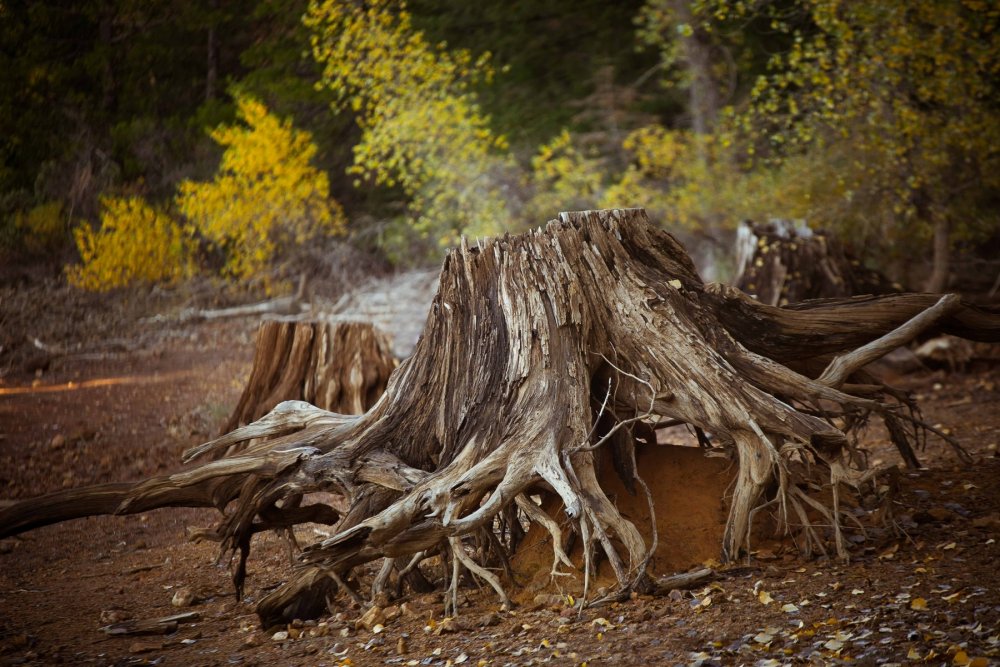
539	350
337	366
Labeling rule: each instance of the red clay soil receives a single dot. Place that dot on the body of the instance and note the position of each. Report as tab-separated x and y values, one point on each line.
928	595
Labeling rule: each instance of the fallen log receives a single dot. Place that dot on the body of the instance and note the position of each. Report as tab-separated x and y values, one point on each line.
540	349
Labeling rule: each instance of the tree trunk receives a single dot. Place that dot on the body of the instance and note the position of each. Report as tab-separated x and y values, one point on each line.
211	54
941	267
703	90
337	366
538	350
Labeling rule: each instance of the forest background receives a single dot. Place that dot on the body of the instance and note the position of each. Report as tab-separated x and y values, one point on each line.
150	142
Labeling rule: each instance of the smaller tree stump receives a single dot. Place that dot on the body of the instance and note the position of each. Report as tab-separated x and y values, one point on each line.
337	366
781	263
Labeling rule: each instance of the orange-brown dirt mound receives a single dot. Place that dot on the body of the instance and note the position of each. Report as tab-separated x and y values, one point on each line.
688	490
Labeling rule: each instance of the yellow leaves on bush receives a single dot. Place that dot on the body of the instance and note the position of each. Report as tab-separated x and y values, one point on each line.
563	178
422	128
266	193
900	91
42	228
135	244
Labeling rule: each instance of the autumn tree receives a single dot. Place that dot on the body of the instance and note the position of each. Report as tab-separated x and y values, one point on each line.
901	96
266	192
422	127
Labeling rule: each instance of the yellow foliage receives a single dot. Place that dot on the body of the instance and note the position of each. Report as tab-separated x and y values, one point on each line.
135	244
671	177
563	178
422	128
900	94
266	192
42	228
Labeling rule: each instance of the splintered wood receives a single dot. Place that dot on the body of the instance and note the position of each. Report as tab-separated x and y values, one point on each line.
540	351
337	366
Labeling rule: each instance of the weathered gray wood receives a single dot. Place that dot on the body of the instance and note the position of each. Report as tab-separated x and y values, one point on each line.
531	342
684	580
150	626
342	367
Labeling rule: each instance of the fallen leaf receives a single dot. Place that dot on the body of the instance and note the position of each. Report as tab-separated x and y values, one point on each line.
834	645
763	638
789	608
913	654
889	553
765	597
919	604
461	658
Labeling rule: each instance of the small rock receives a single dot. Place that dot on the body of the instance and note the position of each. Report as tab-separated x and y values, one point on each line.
449	625
401	647
546	599
251	641
294	633
109	616
391	613
184	597
988	521
486	620
279	636
58	441
406	609
144	647
370	619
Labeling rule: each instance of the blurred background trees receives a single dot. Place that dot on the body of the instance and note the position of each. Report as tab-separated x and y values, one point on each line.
230	132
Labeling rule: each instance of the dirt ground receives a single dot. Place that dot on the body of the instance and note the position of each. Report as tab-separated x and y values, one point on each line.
930	595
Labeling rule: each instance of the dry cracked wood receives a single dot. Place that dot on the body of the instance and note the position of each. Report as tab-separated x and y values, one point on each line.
338	366
539	348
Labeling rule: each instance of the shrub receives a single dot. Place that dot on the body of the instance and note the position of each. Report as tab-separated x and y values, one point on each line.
265	194
135	244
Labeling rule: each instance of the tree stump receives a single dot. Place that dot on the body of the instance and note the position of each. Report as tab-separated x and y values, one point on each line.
781	263
337	366
540	350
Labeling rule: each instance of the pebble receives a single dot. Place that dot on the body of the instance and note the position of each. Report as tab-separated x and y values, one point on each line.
370	619
144	647
280	636
184	597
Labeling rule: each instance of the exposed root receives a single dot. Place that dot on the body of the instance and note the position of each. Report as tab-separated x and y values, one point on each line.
538	350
